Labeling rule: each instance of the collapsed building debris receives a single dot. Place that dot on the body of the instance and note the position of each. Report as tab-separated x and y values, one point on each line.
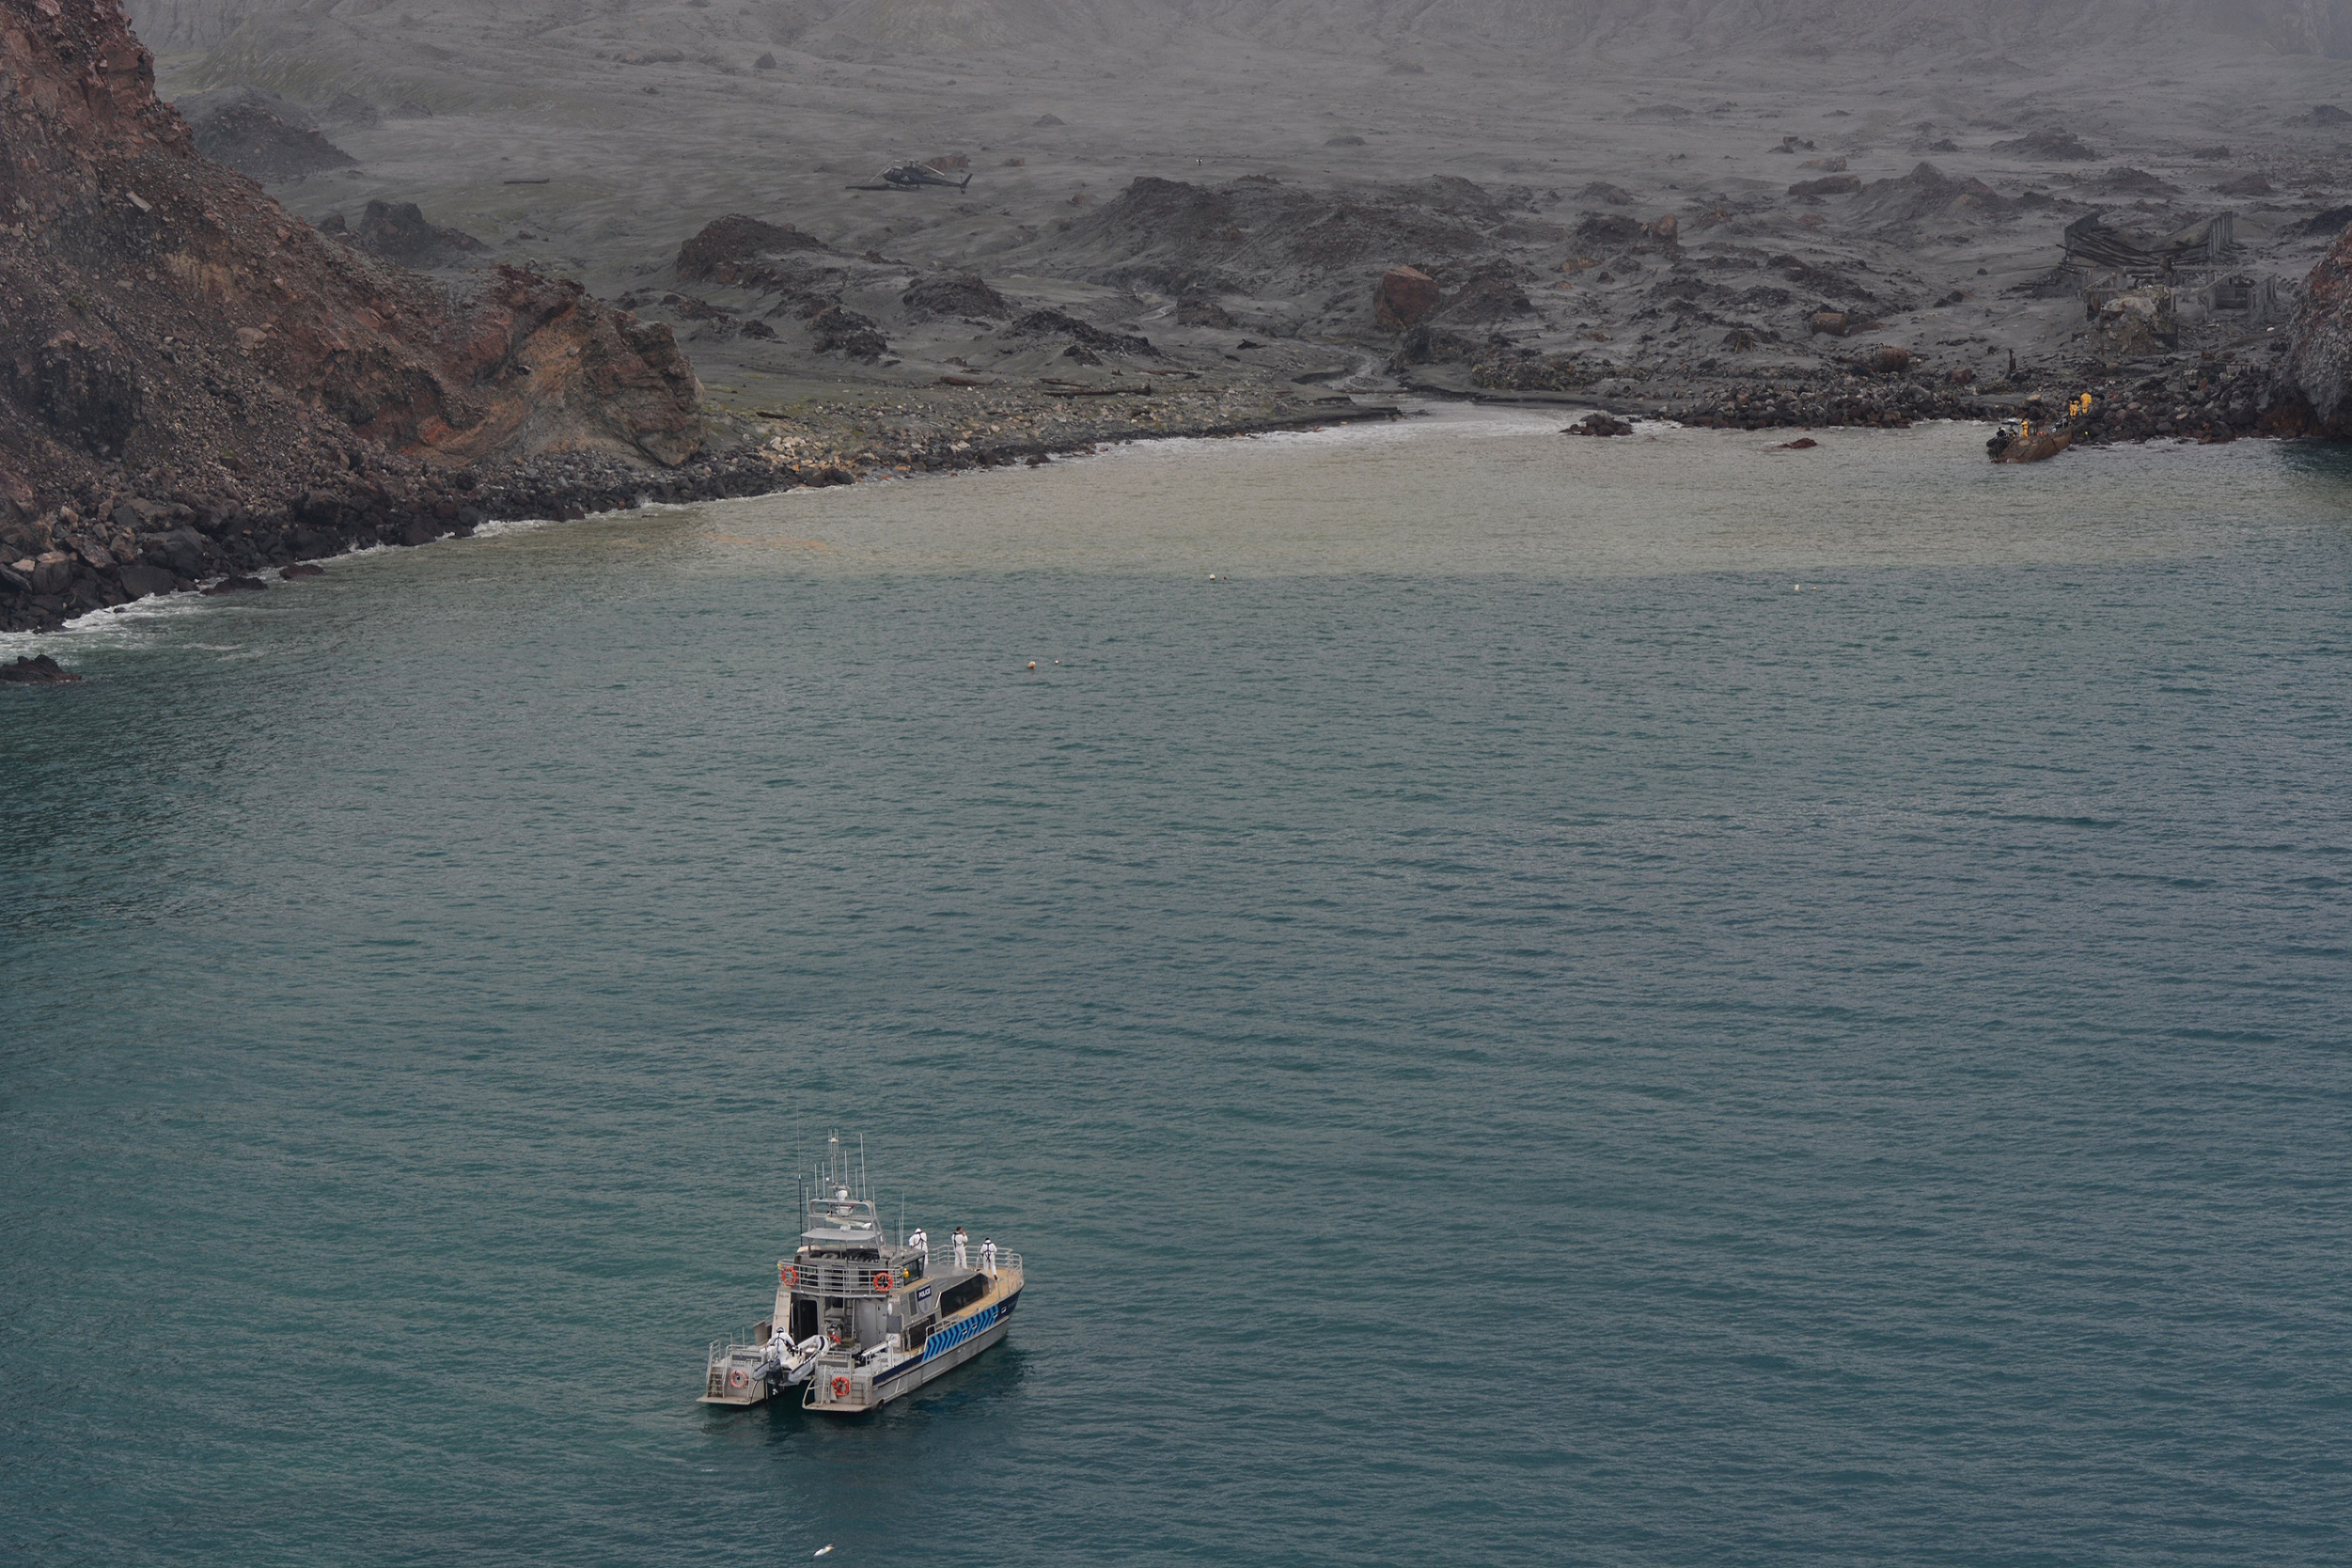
2091	243
2137	291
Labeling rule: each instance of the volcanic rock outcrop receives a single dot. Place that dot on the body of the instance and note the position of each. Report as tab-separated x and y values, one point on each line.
180	357
1254	231
399	232
968	295
2319	362
741	250
2055	142
1926	191
259	135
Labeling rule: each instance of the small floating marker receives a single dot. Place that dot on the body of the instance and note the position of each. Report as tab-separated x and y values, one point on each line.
1033	664
822	1549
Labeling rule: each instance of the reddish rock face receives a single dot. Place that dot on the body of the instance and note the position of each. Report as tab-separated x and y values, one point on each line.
2320	361
1406	297
160	311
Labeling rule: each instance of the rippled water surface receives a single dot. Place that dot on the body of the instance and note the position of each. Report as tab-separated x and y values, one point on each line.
1507	1031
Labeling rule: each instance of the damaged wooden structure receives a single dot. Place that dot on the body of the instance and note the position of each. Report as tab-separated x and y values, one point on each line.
2207	243
2140	291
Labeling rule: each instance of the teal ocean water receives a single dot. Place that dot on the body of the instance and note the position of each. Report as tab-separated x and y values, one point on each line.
1506	1031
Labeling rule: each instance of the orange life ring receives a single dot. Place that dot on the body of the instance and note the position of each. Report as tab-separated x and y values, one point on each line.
737	1378
841	1388
788	1274
882	1283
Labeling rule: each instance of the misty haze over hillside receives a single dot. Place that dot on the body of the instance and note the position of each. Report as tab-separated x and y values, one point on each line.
1690	30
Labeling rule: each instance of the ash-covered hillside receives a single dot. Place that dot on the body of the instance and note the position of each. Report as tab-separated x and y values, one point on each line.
1632	194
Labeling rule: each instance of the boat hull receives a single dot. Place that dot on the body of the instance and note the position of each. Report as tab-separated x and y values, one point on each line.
842	1390
2038	447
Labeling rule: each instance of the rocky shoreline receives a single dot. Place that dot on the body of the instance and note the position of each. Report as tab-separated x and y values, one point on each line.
197	384
76	560
2206	398
2207	403
109	552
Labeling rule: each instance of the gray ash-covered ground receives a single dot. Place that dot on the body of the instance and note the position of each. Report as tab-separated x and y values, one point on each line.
1209	176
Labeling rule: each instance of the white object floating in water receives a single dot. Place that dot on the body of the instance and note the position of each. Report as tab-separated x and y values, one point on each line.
822	1549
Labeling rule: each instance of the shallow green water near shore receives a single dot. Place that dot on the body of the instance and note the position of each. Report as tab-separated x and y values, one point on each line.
1505	1031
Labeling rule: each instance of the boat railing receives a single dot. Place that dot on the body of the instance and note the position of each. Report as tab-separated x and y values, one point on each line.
839	1276
856	1281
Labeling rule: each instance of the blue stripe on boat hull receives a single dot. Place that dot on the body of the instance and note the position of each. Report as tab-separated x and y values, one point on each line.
940	1344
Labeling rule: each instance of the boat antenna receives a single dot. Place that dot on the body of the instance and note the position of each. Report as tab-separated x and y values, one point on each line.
864	1184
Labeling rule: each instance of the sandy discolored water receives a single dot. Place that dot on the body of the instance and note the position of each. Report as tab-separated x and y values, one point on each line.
1504	1033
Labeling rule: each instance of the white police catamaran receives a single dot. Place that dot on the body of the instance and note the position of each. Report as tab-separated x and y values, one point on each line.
860	1320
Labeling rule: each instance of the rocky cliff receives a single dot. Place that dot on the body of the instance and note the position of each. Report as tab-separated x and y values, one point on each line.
193	382
2319	364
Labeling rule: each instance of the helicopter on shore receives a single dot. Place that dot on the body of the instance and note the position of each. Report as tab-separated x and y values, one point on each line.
914	177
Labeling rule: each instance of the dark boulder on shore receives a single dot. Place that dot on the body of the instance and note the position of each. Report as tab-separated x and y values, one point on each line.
1405	298
144	582
36	670
1598	423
